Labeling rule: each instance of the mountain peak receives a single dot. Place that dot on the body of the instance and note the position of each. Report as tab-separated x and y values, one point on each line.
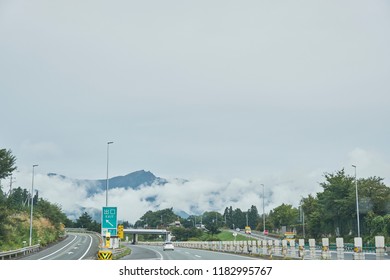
132	180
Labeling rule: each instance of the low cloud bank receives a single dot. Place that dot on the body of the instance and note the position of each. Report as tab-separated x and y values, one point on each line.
192	197
200	195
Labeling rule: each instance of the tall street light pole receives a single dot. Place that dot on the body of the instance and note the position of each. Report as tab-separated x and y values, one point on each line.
263	210
357	204
108	145
32	202
303	222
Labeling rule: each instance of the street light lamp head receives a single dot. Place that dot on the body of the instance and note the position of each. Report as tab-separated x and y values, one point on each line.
110	142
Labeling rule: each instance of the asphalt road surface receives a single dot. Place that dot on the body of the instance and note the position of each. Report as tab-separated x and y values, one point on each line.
76	246
144	252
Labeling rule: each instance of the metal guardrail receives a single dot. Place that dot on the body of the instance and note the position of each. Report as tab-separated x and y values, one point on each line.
31	249
22	251
77	230
84	230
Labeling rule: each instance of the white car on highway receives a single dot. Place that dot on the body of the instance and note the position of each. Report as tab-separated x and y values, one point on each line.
168	246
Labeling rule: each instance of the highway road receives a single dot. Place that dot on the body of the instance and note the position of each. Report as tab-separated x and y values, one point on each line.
145	252
76	246
84	246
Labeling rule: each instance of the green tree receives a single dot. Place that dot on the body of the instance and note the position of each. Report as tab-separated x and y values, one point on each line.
2	196
190	222
84	221
284	215
337	203
212	219
7	166
4	212
95	226
387	225
52	211
17	199
184	234
374	196
313	224
333	211
253	217
212	228
157	219
378	226
239	218
312	213
228	216
7	163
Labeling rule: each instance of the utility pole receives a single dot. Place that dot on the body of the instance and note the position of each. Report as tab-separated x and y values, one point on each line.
32	204
10	184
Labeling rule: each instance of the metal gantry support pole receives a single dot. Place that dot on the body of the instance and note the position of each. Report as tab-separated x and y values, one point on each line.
32	202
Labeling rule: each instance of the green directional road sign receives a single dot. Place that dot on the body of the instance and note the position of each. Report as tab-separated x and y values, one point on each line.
109	221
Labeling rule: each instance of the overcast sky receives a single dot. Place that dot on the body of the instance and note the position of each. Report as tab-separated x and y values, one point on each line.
211	91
